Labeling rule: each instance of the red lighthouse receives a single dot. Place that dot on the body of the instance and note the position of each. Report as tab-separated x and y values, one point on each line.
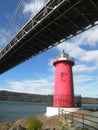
63	86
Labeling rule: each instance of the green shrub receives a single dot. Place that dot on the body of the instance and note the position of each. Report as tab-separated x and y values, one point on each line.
84	129
63	128
34	124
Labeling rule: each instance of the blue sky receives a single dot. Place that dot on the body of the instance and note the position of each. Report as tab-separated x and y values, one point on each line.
37	74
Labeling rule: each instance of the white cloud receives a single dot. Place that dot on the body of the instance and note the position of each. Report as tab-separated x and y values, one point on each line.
84	68
7	35
78	79
88	37
85	85
90	56
51	62
3	39
72	49
87	90
80	47
77	52
51	67
38	86
33	6
73	46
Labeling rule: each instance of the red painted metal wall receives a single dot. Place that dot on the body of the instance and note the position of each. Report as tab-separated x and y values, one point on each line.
63	86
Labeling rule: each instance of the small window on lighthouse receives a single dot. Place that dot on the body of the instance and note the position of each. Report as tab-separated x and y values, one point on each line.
63	76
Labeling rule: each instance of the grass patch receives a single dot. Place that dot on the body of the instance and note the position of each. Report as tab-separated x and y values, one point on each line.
65	125
34	124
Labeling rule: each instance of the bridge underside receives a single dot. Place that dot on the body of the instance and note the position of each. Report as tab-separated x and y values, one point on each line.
57	20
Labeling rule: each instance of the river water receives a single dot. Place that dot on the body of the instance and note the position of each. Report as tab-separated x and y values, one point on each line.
11	110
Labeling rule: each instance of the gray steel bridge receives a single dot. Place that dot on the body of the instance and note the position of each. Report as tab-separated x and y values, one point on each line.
57	20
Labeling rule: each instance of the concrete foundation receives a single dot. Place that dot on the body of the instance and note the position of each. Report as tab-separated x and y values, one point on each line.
52	111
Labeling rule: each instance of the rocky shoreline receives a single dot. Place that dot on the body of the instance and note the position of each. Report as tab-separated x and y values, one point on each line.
48	123
13	125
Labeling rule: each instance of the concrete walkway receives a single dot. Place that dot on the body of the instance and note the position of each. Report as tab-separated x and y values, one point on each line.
90	122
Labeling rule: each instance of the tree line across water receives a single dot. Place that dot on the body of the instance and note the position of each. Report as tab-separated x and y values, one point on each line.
25	97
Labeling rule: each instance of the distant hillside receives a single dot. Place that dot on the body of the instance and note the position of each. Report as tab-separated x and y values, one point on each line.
14	96
89	100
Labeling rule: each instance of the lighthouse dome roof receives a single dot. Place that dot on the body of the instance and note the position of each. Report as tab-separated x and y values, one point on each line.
64	57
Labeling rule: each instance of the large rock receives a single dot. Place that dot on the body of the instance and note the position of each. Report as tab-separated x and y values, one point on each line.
18	127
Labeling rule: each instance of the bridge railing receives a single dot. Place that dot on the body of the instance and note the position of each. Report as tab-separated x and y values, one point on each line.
82	120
